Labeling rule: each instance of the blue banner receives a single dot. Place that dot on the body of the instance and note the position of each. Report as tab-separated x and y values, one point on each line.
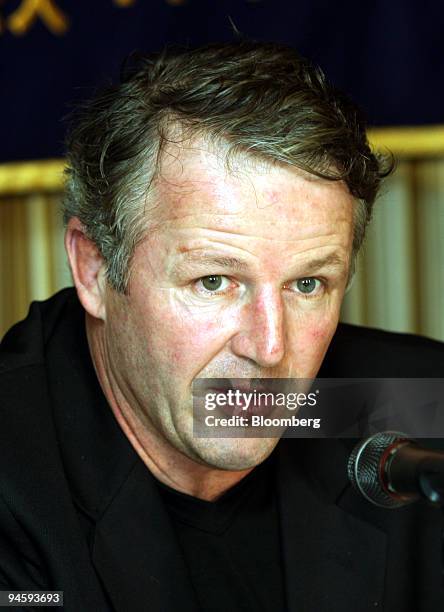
389	56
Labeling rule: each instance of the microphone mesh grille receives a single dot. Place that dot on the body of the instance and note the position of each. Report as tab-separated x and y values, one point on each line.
363	468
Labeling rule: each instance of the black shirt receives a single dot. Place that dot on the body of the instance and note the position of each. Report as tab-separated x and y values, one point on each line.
232	546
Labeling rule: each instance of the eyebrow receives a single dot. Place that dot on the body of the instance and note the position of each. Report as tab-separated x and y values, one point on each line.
333	260
201	257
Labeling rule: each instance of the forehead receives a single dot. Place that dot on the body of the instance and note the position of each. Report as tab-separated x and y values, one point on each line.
199	184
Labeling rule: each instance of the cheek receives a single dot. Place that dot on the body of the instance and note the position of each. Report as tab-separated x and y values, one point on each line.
186	339
313	340
190	345
321	334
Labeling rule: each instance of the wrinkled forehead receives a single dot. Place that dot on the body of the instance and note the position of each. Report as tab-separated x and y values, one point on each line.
201	176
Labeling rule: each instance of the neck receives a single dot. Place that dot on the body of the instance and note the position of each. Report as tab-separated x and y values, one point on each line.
165	462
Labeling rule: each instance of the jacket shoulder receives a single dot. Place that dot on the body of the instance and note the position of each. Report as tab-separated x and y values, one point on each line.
366	352
24	344
25	402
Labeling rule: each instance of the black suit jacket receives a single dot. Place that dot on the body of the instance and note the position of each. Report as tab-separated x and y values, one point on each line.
80	512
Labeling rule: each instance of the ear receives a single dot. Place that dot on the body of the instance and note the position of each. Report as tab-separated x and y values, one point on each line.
87	267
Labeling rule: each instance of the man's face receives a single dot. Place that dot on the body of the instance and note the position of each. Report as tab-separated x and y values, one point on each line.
243	277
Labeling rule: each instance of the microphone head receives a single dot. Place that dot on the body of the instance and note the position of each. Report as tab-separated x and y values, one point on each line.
364	468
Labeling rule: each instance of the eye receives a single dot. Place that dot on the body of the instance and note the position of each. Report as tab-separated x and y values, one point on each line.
213	283
308	286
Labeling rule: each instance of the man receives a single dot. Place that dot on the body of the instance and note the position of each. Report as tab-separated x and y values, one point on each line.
215	203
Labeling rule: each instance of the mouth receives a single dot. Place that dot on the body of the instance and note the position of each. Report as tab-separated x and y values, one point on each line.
243	397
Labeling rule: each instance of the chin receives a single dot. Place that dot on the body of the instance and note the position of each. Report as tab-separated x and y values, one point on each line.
233	454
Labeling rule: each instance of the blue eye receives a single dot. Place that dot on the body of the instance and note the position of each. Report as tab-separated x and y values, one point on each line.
307	285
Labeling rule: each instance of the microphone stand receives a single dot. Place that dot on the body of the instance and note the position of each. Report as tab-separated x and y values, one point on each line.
431	483
424	470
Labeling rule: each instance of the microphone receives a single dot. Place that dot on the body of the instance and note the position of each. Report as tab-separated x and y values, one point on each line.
390	470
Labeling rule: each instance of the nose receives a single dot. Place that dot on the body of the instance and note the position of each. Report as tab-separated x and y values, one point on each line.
261	337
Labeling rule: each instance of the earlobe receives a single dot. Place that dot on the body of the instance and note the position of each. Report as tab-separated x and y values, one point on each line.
87	267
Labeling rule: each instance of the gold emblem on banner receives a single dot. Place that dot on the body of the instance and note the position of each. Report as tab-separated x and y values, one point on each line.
20	21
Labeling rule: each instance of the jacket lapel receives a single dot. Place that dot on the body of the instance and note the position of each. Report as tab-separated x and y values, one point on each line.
136	554
332	560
